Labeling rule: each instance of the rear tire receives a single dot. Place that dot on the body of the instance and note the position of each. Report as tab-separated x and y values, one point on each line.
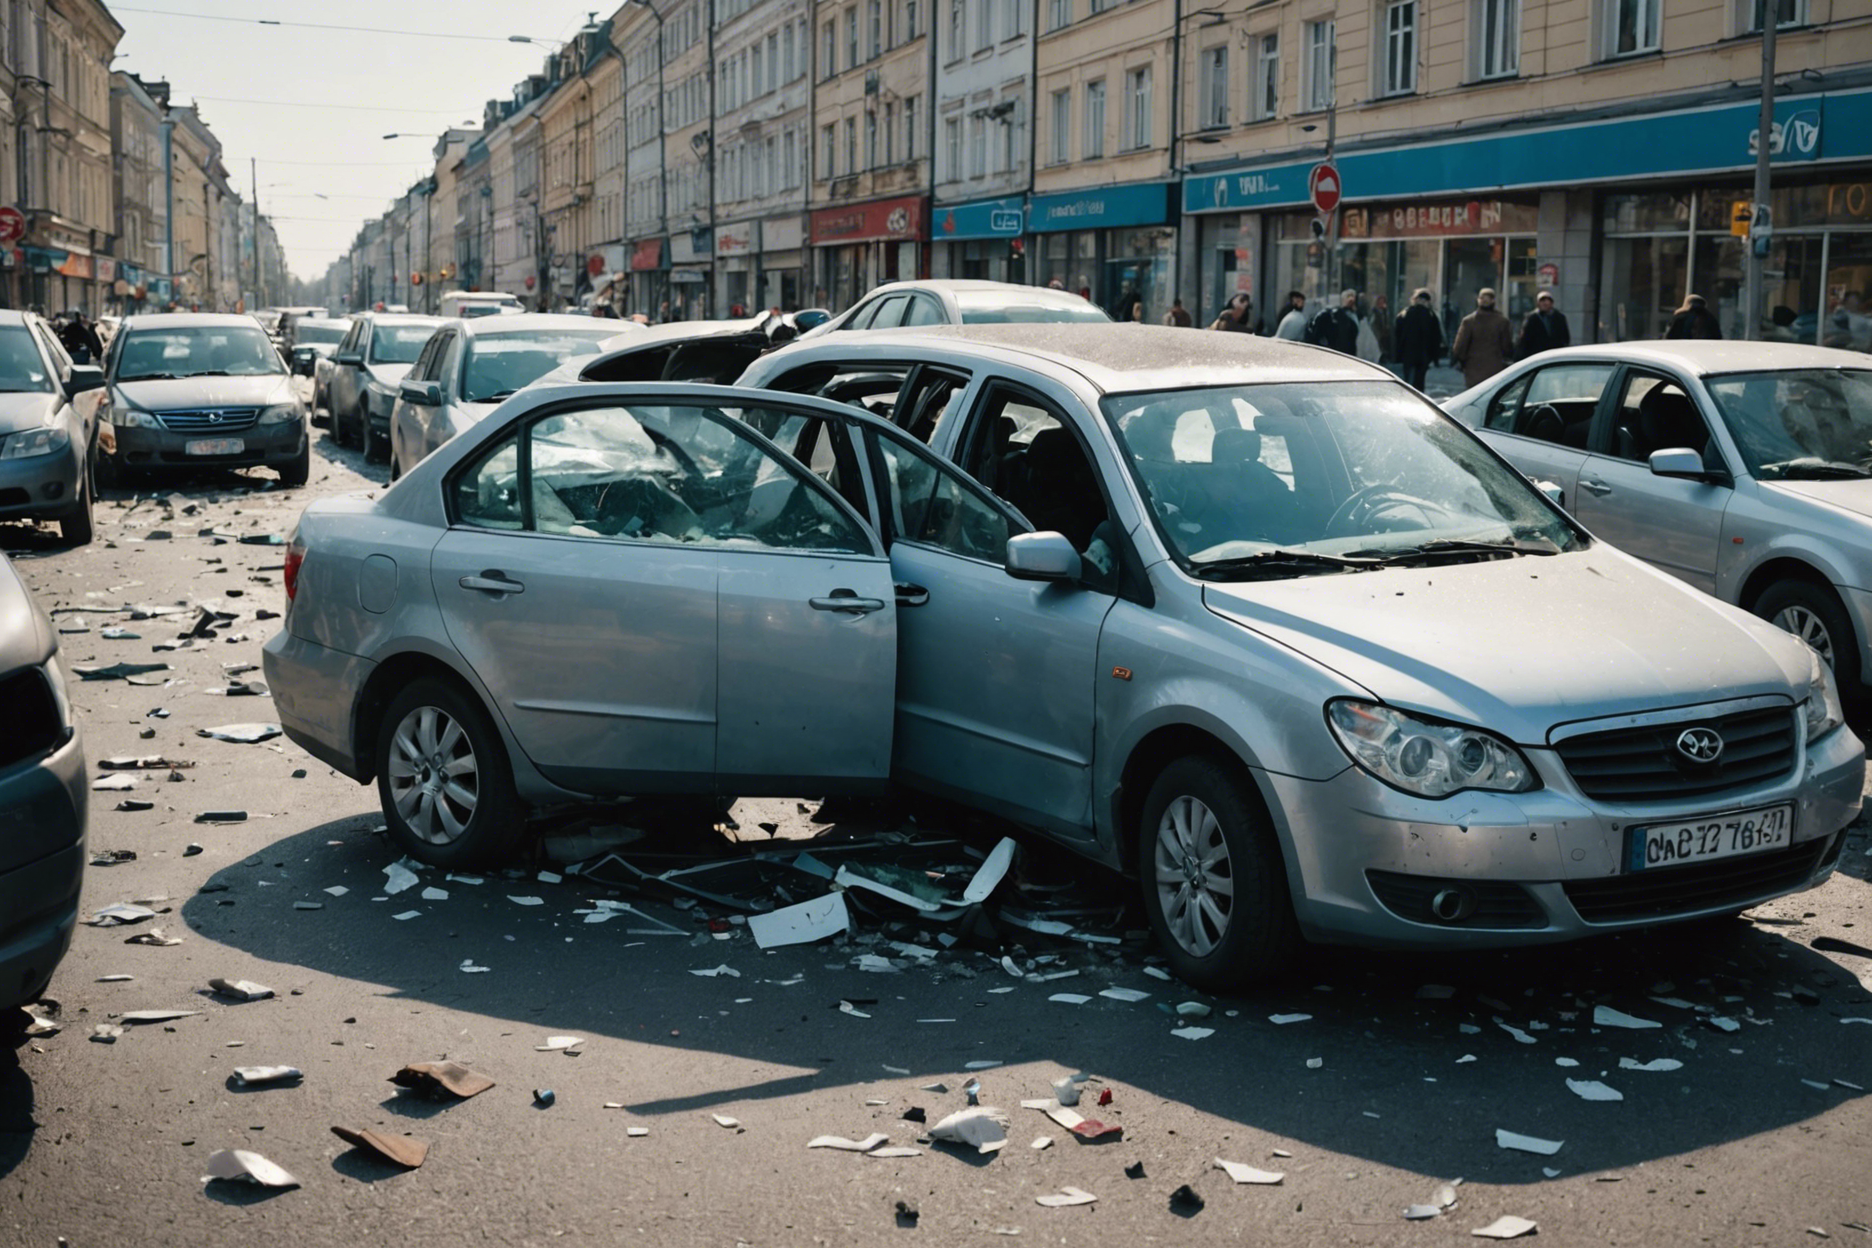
1215	886
444	778
376	448
1814	614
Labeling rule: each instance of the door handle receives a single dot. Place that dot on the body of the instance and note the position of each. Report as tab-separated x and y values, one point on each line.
909	595
1594	487
492	581
847	601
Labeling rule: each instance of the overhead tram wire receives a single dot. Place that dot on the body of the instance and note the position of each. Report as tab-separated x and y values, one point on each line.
355	30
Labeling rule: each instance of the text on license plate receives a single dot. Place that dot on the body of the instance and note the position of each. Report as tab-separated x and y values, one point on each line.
214	446
1719	836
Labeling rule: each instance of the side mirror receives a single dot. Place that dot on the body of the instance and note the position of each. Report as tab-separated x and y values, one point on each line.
1042	557
1554	493
1679	461
427	393
84	377
348	357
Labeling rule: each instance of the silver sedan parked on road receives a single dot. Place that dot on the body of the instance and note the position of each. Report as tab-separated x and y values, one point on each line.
962	302
1744	468
1250	619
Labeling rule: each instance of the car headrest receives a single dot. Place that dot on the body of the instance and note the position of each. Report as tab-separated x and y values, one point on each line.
1235	446
1668	418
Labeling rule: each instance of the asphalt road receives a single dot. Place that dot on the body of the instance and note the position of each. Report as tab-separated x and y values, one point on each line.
1368	1104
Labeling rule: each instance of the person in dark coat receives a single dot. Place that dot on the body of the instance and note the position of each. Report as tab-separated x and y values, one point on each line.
1337	327
1418	338
1484	341
80	340
1694	320
1544	329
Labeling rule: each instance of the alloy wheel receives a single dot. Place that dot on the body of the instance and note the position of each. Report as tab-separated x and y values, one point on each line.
1195	879
1809	627
434	775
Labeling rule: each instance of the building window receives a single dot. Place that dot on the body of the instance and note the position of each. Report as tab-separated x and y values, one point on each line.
828	55
910	127
851	145
877	28
952	149
984	24
828	149
757	65
1059	133
1138	131
1011	13
773	61
910	20
1497	38
851	37
1321	62
1791	13
786	53
1399	62
789	159
1632	26
890	134
1267	77
1095	7
871	150
978	147
1059	13
956	38
1215	89
1093	144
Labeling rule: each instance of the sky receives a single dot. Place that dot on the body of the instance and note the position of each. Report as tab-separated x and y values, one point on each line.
311	106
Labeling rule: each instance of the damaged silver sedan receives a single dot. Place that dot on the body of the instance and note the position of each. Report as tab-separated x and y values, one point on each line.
1289	644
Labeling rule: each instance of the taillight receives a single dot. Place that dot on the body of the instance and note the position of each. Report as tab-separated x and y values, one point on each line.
295	555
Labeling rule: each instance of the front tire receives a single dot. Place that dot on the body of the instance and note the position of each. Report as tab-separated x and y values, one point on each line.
1215	886
376	448
78	528
294	474
1814	614
444	780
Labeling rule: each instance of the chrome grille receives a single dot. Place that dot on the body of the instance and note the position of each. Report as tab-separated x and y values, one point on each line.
210	420
1644	764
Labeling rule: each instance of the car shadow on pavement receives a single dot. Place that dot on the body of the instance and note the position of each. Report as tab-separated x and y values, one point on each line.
17	1123
1408	1060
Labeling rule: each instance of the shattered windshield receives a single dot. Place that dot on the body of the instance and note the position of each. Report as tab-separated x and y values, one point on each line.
1799	422
1257	481
499	364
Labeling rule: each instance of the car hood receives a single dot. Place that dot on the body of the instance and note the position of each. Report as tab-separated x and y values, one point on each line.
1519	646
1847	495
389	374
27	410
190	392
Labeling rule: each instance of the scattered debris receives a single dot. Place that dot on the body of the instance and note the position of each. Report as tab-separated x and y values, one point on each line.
1249	1174
1185	1202
239	1164
1505	1227
716	972
555	1044
1606	1016
241	989
120	915
111	857
106	1033
1124	994
1527	1143
1067	1196
1281	1020
402	1150
850	1146
1193	1033
398	878
222	816
157	1016
1658	1065
526	901
117	671
256	1076
241	734
906	1214
308	905
454	1078
982	1127
1593	1090
42	1024
723	1120
155	937
544	1097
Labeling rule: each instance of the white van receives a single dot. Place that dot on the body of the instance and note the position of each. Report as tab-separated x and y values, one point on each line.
467	303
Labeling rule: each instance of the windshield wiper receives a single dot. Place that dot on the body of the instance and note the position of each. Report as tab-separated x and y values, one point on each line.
1812	467
149	377
1280	563
496	397
1456	546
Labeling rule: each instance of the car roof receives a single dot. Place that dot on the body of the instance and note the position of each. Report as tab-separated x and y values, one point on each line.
1705	356
1118	357
956	285
190	320
522	322
399	318
12	316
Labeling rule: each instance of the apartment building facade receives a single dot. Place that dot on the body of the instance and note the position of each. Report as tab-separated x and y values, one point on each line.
869	213
1592	147
983	139
763	95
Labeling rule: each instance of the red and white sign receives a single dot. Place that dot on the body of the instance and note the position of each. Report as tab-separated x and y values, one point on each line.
595	264
12	225
1323	184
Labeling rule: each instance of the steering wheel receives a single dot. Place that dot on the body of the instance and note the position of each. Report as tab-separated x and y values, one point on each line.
1363	504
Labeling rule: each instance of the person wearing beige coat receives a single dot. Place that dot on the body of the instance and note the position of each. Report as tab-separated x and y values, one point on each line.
1484	341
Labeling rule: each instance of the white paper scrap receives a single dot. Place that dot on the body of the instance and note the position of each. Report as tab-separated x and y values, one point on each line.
895	1152
982	1126
1465	1058
1067	1196
1527	1143
337	890
407	915
723	1120
1041	1143
526	901
1568	1062
1520	1036
1124	994
555	1043
801	924
1069	998
1248	1174
466	879
1193	1033
1505	1227
1593	1090
1658	1065
238	1163
981	1065
988	876
1606	1016
435	894
1281	1020
850	1146
716	972
1721	1023
397	878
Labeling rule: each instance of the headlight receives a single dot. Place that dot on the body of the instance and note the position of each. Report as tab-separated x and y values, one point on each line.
280	413
1823	710
130	417
30	442
1424	757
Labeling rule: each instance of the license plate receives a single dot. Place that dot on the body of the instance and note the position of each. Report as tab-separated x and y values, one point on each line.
1718	836
214	446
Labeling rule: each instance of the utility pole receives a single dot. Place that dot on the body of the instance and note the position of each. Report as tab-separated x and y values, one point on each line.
168	142
1761	222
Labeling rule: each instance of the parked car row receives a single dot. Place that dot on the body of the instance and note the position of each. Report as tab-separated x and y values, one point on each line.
1249	620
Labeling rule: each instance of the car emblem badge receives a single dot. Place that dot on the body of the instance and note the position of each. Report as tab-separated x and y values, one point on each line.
214	418
1700	745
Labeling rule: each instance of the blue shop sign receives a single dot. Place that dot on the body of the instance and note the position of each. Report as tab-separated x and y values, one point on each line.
1717	139
987	218
1105	208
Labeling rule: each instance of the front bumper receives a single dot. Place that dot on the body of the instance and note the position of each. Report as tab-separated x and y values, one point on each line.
313	690
41	485
1366	862
46	799
269	446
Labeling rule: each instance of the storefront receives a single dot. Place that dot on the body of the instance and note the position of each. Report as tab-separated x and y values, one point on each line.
1116	245
783	262
649	278
1566	206
859	246
692	263
736	274
980	240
